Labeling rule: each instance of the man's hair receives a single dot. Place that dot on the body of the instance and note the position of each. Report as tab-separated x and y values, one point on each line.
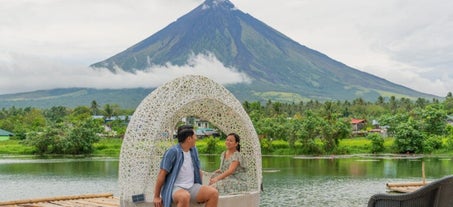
184	131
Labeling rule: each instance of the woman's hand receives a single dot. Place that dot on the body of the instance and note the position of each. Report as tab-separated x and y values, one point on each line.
213	180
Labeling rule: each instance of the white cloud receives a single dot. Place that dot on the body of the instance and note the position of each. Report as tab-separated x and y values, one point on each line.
406	42
33	73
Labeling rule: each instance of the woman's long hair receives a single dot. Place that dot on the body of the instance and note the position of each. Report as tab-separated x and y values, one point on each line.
238	140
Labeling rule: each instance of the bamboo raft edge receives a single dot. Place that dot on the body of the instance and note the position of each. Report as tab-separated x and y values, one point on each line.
407	184
408	187
58	198
405	187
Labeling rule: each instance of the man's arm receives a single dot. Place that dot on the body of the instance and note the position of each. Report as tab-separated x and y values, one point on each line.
157	189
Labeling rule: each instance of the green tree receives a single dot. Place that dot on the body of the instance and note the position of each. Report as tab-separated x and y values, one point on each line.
108	111
22	121
408	138
433	119
333	131
48	140
310	131
66	137
393	104
82	136
118	126
94	108
432	143
56	114
377	142
80	113
393	120
294	133
380	101
421	103
448	103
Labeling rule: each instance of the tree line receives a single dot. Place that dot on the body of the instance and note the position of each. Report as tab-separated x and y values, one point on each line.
418	126
62	130
312	127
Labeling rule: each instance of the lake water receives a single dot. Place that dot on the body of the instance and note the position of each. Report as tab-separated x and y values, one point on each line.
288	181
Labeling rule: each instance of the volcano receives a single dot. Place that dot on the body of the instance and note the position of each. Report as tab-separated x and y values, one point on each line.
279	68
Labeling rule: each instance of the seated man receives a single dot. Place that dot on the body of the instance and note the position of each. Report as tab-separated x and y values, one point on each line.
179	178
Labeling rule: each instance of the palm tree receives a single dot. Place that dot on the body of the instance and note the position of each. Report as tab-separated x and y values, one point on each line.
94	107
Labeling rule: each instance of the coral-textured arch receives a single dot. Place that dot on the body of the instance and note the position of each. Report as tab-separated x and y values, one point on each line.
150	132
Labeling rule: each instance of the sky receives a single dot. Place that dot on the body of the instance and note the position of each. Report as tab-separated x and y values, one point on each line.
47	44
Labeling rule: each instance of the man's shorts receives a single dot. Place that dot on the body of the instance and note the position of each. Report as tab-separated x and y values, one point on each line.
193	191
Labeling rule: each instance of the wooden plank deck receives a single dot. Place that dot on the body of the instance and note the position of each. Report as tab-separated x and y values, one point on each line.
90	200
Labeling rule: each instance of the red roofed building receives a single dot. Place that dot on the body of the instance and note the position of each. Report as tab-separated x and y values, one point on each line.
357	124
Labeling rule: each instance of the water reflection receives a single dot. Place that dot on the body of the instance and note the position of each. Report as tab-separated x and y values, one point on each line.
288	181
345	181
86	167
23	178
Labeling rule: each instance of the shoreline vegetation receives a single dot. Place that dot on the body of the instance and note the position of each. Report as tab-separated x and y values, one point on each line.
111	147
386	126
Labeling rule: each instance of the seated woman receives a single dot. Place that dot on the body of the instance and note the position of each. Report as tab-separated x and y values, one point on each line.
230	177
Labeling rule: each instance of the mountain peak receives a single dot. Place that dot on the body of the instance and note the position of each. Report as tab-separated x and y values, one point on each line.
214	4
275	63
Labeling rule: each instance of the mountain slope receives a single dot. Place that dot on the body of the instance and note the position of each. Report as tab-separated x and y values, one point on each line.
274	62
73	97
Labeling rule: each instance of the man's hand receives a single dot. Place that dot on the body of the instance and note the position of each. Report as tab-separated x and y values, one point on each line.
157	202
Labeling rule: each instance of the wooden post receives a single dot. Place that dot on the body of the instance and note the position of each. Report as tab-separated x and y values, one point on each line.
423	172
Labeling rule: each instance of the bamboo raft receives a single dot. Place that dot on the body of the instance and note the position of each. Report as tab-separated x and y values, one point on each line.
405	187
89	200
408	187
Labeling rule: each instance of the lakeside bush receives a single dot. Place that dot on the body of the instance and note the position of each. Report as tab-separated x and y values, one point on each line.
210	145
377	142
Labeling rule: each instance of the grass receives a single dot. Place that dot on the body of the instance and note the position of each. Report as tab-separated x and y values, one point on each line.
359	145
14	147
108	147
105	147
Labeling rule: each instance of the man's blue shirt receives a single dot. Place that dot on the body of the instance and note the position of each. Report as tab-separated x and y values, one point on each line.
171	162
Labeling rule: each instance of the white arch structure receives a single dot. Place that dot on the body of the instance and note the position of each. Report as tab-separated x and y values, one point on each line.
150	133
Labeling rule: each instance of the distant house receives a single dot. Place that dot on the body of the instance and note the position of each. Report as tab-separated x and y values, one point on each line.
358	124
203	128
5	135
196	122
377	128
204	132
202	123
123	118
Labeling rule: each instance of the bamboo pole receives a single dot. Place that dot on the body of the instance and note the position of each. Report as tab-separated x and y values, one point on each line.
399	186
405	184
423	172
404	189
59	198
